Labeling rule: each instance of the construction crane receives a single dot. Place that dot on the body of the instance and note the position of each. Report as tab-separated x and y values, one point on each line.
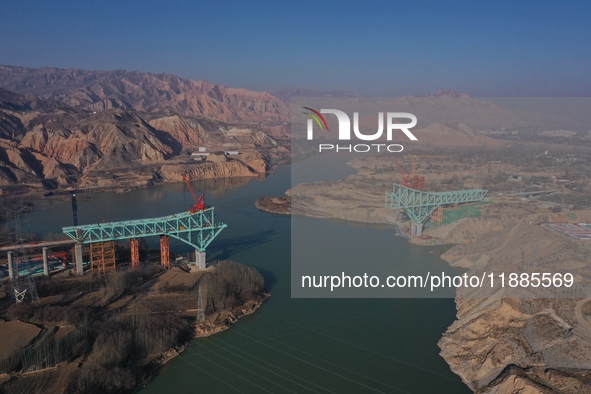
415	181
418	182
199	202
406	176
74	209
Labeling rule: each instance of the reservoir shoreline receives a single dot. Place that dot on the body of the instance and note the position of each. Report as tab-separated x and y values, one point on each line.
262	240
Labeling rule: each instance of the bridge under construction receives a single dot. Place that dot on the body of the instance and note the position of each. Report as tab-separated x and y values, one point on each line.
419	205
196	227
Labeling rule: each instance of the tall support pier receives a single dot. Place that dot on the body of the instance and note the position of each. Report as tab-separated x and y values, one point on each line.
419	205
165	251
78	259
45	262
134	245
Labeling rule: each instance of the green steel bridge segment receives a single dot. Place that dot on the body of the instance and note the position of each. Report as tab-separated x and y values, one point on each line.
181	226
419	205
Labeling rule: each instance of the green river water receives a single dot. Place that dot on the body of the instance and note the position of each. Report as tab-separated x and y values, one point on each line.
288	345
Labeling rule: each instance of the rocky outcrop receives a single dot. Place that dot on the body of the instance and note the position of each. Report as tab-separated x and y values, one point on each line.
109	139
206	170
258	165
278	205
223	320
217	157
17	165
504	340
539	342
57	146
185	131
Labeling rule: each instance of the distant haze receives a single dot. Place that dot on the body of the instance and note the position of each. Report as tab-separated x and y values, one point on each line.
502	48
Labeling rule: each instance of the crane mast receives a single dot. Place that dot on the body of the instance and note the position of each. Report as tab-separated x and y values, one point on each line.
199	202
406	181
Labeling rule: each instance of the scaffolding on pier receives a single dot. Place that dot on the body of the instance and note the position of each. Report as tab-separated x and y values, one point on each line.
102	257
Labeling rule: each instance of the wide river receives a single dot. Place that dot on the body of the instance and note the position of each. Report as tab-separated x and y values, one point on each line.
288	345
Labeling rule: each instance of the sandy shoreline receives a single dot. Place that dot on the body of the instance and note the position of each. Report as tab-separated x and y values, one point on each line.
490	345
204	330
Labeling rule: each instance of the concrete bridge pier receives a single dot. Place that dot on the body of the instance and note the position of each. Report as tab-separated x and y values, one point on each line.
416	229
45	263
10	266
78	256
199	259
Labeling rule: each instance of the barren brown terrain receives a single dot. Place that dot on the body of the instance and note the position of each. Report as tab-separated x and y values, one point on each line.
110	333
79	128
502	341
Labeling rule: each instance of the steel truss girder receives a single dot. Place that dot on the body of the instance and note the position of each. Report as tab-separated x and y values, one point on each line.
419	205
180	226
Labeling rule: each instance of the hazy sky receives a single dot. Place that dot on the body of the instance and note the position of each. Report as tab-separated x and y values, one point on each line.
484	48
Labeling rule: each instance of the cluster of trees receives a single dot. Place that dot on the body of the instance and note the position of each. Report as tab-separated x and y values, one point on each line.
231	285
122	344
46	351
499	177
116	344
49	314
114	283
579	200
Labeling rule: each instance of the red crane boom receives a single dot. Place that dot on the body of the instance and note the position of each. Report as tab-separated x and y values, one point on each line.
406	181
199	202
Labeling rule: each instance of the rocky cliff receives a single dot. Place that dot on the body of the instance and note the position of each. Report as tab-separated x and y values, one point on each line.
207	170
537	343
49	143
59	145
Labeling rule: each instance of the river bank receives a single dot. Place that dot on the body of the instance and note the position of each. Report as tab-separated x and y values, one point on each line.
479	243
127	180
287	333
531	340
501	341
277	205
219	322
114	332
224	320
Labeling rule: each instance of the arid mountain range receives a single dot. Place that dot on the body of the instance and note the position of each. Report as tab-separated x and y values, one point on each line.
62	127
144	92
